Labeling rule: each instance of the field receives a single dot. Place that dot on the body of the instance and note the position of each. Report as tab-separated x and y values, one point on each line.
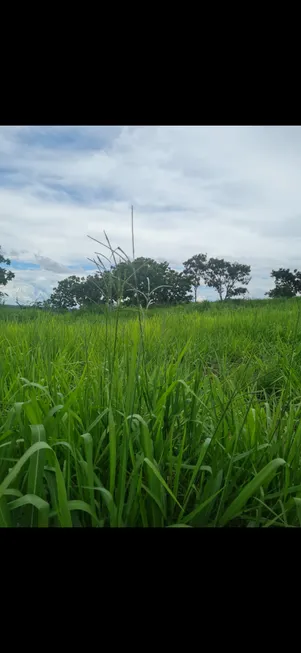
175	418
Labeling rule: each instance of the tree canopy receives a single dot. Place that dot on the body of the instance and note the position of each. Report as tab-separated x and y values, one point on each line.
287	283
145	281
224	277
141	282
194	268
66	293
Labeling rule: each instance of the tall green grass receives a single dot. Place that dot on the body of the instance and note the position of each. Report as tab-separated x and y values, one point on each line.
180	417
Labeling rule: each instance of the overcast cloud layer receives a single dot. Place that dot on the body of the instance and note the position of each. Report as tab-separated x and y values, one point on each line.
233	192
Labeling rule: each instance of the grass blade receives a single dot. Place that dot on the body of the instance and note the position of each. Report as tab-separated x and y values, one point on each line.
18	466
159	477
263	476
41	506
36	468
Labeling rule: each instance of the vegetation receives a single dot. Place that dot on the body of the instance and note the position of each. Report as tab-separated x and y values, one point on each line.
287	283
194	268
219	274
141	282
188	416
145	282
224	277
5	275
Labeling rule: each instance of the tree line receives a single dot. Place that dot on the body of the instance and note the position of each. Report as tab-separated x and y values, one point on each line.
144	282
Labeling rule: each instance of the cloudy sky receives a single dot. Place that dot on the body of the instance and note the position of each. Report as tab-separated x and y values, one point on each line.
233	192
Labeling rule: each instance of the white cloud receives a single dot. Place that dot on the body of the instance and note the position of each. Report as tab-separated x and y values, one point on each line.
30	286
232	192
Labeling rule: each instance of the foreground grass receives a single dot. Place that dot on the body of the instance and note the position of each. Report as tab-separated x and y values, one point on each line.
182	418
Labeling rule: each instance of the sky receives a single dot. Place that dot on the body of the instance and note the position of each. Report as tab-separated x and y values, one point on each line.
231	192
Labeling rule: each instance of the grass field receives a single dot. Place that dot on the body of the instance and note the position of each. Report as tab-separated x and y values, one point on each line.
180	417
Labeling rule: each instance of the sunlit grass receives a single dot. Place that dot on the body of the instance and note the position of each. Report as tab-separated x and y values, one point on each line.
170	418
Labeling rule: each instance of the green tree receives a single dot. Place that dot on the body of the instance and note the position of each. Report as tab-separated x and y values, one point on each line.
177	290
287	283
92	290
65	295
83	291
224	276
5	275
145	281
194	268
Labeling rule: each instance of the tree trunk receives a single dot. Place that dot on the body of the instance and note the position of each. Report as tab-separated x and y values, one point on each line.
195	292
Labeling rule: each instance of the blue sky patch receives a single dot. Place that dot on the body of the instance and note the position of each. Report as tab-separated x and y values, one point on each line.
22	265
69	138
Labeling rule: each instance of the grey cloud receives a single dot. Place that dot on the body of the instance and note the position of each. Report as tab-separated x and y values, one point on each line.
48	264
17	253
288	228
237	195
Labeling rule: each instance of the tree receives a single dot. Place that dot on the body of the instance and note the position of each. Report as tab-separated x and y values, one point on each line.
281	291
194	268
66	294
141	282
287	283
145	281
224	276
92	290
82	291
138	282
177	290
5	275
